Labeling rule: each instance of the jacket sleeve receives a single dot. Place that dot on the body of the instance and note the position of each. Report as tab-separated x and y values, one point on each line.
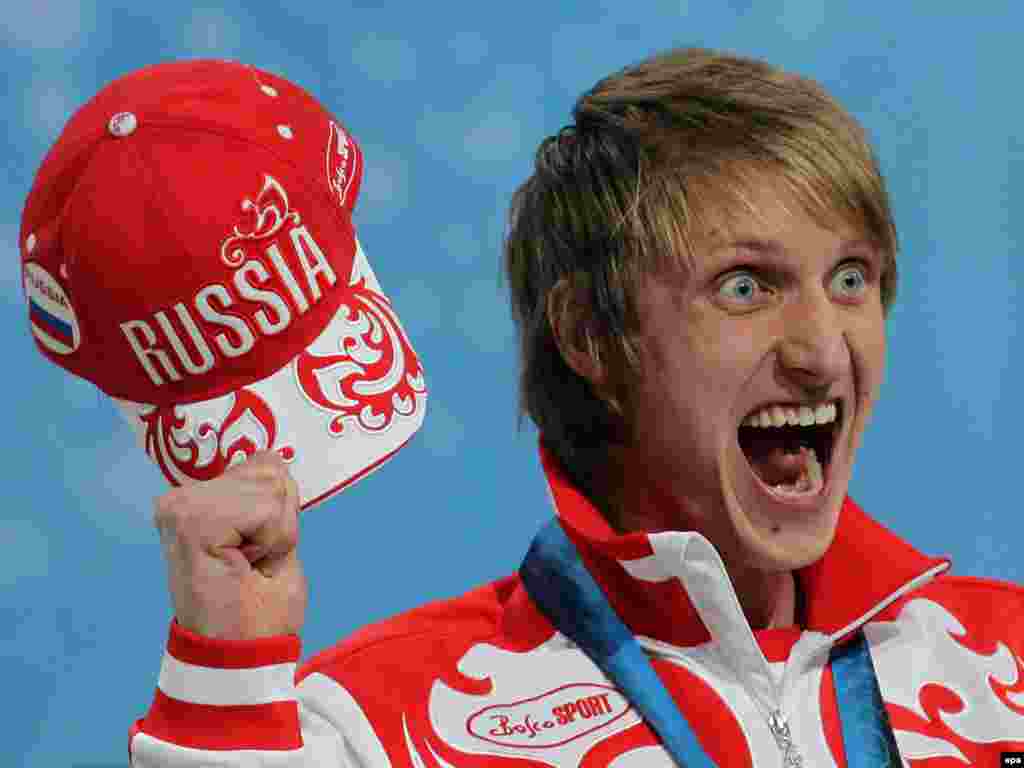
237	703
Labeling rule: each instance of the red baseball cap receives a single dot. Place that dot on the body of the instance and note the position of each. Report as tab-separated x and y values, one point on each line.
188	247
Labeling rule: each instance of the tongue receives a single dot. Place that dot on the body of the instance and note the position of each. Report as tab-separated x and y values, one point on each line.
775	466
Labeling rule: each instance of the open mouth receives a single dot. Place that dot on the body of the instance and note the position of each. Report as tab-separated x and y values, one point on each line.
792	460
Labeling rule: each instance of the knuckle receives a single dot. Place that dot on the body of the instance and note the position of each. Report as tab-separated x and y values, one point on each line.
265	466
271	461
291	532
255	465
281	483
292	493
175	513
278	478
166	507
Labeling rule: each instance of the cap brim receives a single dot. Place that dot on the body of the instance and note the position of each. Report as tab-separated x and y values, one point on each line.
336	412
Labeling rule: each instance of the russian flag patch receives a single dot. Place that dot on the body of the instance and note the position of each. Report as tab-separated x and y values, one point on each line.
51	315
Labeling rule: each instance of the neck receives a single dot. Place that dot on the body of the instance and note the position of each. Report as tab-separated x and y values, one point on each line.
632	501
768	600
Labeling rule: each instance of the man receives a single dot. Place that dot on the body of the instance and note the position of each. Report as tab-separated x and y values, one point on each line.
700	269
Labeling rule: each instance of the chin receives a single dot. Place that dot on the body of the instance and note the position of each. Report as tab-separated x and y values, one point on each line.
769	545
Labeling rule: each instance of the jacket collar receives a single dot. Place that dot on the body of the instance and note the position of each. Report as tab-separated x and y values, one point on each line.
672	587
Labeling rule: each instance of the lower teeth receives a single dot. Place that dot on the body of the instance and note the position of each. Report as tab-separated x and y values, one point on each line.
811	479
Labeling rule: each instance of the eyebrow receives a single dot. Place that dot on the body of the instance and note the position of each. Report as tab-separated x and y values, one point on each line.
716	253
775	247
754	244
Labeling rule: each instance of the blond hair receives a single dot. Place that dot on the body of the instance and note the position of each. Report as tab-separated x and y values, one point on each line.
654	151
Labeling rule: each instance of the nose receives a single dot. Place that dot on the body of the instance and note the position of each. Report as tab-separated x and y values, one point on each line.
813	352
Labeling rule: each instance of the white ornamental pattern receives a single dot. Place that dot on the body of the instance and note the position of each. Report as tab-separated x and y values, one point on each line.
950	697
363	370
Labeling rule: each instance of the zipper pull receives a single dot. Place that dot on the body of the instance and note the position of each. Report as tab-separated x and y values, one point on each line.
780	730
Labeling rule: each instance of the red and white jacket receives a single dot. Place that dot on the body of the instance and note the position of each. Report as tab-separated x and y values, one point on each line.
484	679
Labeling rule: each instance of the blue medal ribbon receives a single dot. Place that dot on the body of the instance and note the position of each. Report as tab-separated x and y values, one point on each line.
567	594
862	714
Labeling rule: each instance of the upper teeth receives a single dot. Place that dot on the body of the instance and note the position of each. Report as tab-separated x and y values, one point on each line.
782	415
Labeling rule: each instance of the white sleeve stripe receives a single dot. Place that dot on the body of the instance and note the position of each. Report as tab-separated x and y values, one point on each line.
226	687
148	752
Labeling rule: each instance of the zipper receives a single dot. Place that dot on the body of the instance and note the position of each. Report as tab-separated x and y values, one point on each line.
801	655
779	727
768	703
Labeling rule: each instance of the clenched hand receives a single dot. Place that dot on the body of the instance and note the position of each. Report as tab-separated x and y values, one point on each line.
231	546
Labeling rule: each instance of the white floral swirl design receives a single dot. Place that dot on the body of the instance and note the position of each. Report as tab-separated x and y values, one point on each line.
266	216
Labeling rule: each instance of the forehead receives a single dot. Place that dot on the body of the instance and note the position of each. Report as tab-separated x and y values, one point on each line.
768	217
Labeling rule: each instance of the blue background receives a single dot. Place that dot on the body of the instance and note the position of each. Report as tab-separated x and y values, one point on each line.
449	101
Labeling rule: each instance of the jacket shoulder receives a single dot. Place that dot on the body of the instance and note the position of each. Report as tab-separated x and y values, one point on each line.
982	607
467	618
973	589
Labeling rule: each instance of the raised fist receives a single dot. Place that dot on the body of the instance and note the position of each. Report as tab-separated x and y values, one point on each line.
231	546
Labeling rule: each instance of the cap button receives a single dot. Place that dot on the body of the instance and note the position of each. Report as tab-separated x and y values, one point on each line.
123	124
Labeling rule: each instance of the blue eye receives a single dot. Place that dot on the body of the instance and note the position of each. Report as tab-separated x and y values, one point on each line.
745	286
855	287
851	282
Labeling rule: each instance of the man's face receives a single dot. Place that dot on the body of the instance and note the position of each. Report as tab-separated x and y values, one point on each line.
779	312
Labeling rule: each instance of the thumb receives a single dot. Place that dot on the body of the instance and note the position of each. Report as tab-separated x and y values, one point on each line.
272	567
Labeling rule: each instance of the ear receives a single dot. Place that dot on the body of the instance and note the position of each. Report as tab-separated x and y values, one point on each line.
568	316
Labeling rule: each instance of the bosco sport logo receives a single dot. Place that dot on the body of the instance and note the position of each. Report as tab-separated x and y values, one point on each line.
551	719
